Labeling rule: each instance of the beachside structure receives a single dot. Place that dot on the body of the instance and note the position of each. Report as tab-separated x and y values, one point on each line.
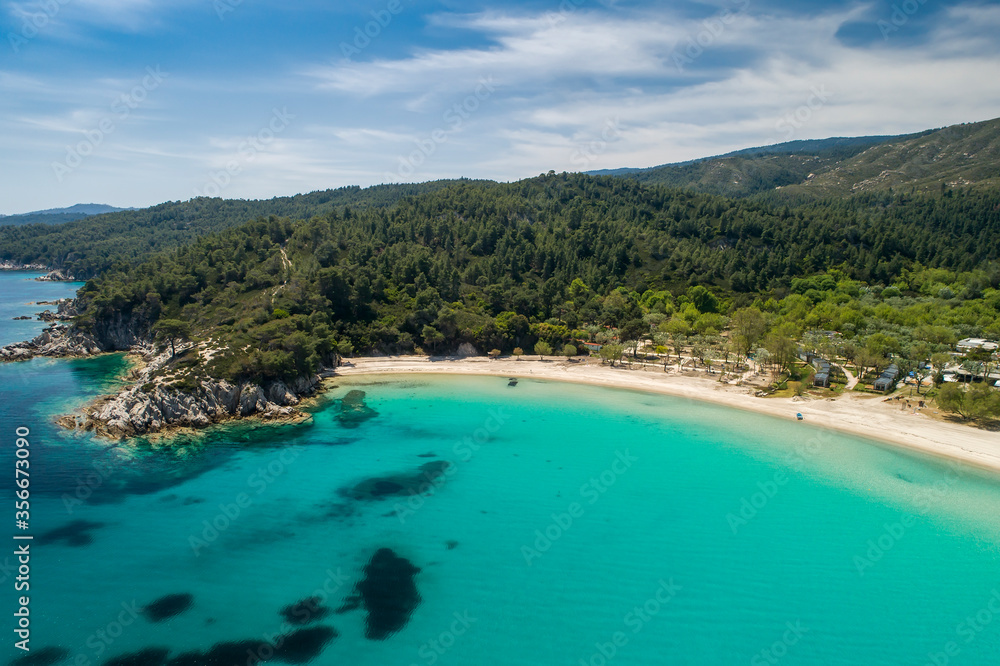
971	344
823	373
958	373
887	381
824	369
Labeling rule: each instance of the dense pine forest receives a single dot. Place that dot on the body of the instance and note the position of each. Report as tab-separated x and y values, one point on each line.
111	241
563	258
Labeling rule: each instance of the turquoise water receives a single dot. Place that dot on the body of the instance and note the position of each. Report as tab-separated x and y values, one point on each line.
19	291
571	518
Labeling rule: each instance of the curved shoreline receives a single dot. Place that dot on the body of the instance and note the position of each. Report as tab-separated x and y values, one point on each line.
855	414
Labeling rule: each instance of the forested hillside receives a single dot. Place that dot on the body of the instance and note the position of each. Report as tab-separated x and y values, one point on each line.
505	265
96	244
800	171
748	172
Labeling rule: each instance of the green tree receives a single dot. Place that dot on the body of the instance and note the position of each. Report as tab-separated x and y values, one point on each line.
748	329
543	348
611	353
432	337
881	344
636	330
569	351
703	299
172	331
971	402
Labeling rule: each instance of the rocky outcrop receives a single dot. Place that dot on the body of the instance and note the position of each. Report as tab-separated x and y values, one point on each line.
122	331
56	340
57	275
144	410
465	350
65	312
150	406
17	266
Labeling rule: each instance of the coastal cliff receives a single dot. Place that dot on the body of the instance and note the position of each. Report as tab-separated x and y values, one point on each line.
62	339
51	274
143	409
152	403
58	340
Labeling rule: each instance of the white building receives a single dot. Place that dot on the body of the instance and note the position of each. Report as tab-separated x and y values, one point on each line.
969	344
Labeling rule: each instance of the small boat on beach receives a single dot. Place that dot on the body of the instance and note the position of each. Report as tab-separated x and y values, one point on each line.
798	416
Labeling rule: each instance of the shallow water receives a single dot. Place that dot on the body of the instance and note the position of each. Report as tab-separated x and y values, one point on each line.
570	518
19	291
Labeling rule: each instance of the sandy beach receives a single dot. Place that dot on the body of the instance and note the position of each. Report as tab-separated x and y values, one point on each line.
859	414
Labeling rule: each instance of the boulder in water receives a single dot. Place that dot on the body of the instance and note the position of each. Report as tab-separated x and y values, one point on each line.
353	410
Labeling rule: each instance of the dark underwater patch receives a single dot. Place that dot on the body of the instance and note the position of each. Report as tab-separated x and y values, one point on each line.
298	647
44	657
225	654
304	612
389	594
304	645
353	409
76	534
167	607
147	657
417	483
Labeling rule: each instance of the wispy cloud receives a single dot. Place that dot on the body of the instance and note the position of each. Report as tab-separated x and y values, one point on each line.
558	77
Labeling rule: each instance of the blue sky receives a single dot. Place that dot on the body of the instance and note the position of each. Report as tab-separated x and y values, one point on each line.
135	102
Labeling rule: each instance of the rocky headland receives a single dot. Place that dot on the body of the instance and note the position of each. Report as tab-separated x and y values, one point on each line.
152	402
151	405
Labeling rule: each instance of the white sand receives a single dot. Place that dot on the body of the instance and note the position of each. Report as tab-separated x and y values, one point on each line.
859	414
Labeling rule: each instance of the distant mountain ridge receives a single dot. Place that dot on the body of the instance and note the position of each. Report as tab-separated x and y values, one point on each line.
959	155
59	215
